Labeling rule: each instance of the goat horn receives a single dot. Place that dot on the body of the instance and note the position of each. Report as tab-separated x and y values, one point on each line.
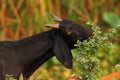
56	18
52	26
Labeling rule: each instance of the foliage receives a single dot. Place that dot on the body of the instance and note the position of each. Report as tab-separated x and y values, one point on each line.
112	19
10	77
89	63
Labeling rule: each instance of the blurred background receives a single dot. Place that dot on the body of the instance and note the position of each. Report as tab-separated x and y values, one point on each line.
22	18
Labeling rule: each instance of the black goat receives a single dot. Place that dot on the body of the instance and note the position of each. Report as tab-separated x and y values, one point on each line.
26	55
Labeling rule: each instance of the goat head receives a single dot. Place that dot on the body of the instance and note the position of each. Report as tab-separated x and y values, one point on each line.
67	33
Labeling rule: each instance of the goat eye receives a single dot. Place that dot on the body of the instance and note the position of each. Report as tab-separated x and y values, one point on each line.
69	32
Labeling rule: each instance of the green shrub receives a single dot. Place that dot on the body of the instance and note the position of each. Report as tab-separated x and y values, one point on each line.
89	63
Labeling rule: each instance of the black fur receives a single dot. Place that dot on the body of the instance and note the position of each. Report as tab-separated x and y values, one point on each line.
26	55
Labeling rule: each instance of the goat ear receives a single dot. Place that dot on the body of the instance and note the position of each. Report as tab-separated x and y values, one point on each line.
62	52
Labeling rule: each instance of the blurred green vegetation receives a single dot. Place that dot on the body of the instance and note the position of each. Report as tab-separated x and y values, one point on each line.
22	18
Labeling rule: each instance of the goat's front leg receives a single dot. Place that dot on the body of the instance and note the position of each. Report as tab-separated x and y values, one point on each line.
1	73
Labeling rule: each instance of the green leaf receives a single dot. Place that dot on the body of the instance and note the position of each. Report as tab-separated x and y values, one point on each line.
112	19
55	61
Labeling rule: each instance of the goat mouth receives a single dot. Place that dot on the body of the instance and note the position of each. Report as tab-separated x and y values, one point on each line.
91	35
